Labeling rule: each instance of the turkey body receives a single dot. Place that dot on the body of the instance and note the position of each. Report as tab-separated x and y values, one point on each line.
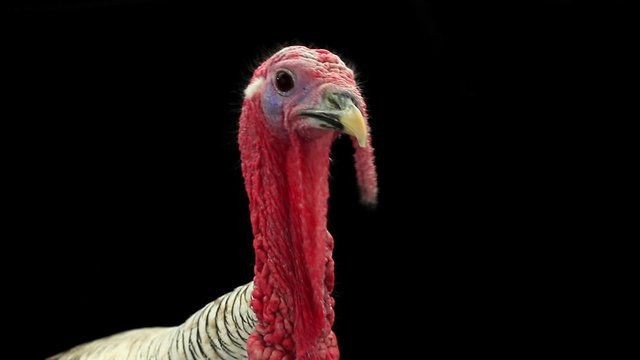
218	331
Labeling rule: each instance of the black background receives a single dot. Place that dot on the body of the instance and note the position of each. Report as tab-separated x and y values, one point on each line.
131	210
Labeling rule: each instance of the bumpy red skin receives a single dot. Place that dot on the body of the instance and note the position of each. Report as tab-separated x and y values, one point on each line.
286	176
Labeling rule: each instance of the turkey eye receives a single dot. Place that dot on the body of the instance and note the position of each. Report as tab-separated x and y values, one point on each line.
284	81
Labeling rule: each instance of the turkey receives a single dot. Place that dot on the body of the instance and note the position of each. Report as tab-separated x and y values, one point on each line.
297	103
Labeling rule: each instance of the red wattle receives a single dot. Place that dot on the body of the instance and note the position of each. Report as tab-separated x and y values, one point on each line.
287	185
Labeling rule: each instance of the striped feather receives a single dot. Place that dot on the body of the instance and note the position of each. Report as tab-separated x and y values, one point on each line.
219	331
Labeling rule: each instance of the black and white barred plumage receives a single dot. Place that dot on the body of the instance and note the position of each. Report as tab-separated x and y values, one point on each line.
218	331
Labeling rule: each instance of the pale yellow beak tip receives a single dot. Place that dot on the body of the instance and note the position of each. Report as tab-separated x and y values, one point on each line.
354	125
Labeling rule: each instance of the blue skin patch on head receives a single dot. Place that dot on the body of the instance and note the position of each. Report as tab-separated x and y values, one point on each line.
273	103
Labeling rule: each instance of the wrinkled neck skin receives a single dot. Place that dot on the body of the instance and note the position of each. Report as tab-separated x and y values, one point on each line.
287	184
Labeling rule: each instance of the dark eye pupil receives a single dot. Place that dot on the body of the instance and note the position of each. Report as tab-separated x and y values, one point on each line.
284	81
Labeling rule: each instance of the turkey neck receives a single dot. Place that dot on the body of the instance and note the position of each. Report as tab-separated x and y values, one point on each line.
287	184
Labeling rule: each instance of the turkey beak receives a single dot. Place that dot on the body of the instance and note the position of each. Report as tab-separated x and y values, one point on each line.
338	112
354	125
